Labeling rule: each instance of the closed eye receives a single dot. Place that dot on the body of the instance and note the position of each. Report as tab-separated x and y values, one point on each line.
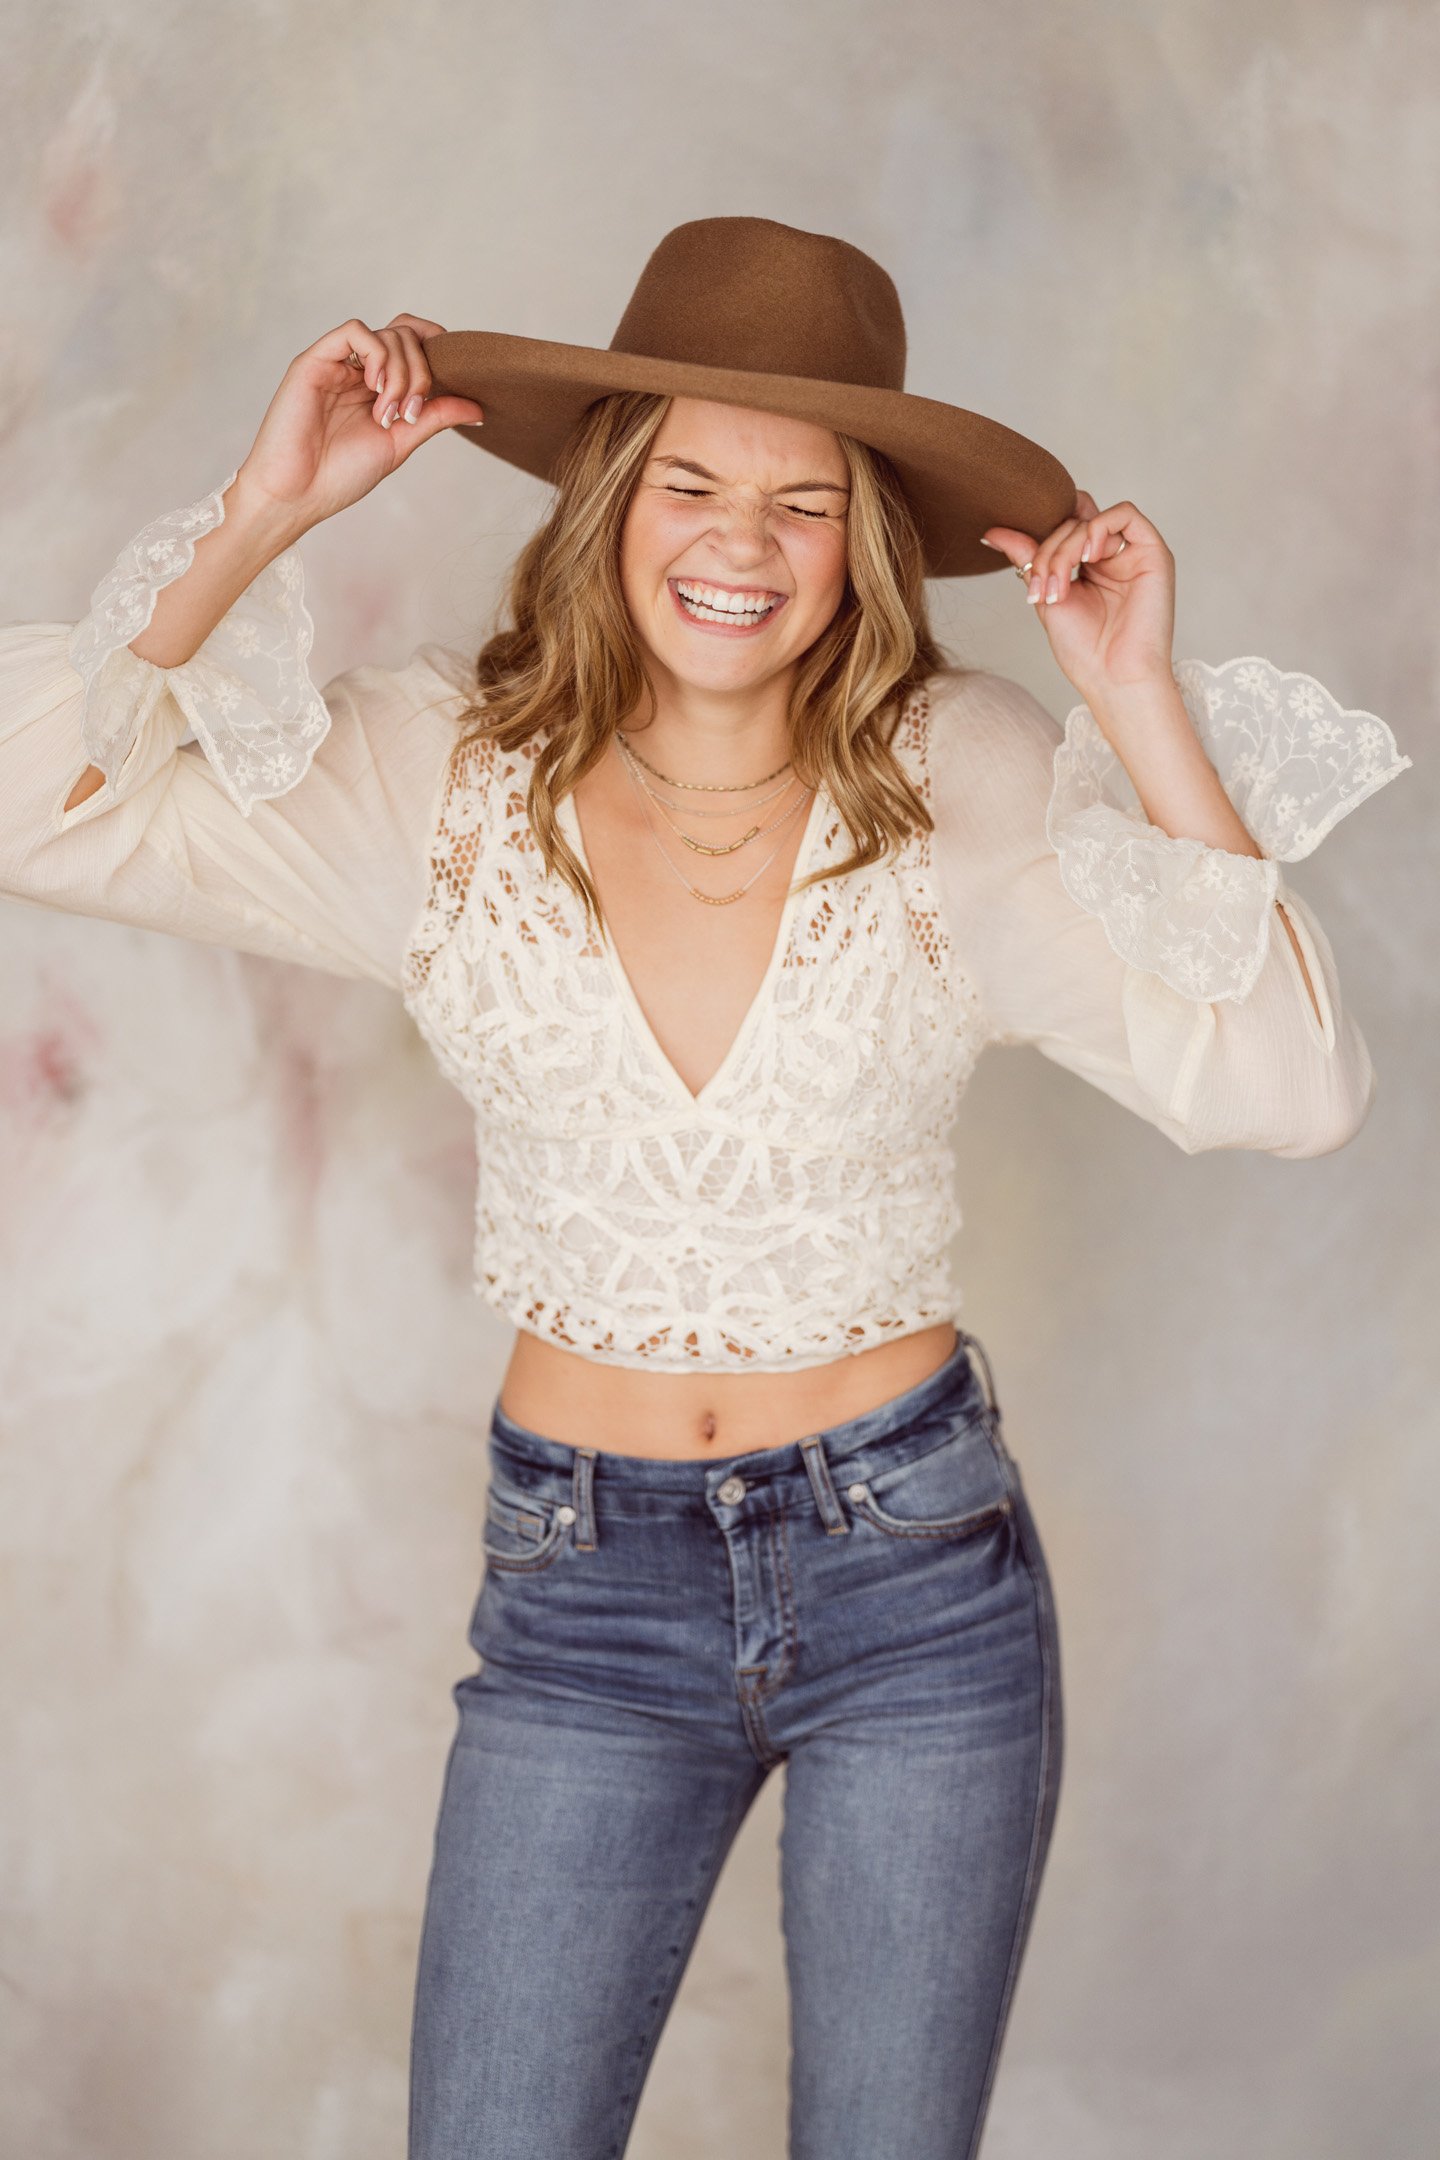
795	509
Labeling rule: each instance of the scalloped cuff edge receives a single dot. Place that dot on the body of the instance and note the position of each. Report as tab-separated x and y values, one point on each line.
1234	995
243	801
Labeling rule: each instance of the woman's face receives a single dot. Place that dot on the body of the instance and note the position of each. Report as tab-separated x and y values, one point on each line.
733	551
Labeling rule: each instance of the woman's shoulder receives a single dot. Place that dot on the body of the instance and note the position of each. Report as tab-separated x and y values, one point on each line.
435	675
990	745
412	710
980	705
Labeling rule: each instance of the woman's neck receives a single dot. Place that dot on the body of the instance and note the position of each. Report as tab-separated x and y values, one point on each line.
716	736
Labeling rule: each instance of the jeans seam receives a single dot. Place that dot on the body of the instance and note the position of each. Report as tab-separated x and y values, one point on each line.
1032	1865
752	1718
789	1629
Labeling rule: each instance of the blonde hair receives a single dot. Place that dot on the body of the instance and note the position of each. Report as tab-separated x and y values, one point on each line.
570	666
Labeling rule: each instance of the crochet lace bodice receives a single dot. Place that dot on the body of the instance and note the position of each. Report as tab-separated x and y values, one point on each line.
801	1205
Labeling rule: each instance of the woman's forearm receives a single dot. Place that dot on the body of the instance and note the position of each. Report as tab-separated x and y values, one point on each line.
227	559
251	534
1179	788
326	440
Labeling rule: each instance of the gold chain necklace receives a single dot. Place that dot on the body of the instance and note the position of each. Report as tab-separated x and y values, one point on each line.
714	899
708	787
703	847
702	810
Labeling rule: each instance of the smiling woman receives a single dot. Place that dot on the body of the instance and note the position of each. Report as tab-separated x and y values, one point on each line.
735	529
708	882
604	639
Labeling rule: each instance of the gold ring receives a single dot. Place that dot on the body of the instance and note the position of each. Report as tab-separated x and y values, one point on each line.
353	358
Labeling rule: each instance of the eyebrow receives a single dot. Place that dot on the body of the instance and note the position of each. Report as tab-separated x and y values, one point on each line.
796	487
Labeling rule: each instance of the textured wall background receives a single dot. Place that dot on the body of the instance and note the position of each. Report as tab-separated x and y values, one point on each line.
244	1381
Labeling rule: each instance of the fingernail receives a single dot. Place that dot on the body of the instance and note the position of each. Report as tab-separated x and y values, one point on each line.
380	382
1052	590
389	413
412	406
1034	593
987	543
1085	552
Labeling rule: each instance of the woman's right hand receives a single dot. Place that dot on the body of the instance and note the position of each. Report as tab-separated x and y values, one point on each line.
326	440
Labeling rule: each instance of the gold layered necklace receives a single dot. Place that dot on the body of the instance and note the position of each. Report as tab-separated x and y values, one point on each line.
705	847
632	761
699	810
705	787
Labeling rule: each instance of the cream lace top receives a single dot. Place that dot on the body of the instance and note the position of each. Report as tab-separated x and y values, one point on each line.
802	1204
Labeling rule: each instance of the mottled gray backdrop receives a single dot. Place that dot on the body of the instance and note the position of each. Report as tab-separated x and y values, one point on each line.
243	1378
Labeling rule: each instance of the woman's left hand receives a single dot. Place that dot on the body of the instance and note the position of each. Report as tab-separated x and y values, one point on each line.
1112	629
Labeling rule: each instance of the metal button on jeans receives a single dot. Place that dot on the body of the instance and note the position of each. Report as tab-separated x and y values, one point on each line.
857	1492
565	1513
732	1489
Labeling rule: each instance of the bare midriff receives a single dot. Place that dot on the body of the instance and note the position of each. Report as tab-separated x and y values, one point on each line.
699	1416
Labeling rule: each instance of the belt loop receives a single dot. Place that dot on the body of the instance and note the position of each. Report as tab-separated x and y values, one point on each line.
582	1481
831	1512
973	1342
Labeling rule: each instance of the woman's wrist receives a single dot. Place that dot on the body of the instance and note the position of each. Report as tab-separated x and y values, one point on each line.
253	532
1151	732
268	526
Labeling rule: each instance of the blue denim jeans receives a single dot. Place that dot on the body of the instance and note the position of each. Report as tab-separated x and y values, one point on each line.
869	1606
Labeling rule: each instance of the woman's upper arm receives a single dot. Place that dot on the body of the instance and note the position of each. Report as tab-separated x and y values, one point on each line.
333	874
330	874
1158	970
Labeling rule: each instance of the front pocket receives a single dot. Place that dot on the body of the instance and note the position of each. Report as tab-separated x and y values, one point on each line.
953	1490
523	1534
945	1526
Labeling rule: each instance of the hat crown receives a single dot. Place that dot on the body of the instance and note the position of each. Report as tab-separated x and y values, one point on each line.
770	299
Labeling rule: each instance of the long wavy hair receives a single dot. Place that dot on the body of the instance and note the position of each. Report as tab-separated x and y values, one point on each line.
569	667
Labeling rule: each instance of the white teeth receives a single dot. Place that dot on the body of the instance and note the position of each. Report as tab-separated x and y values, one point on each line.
701	611
713	601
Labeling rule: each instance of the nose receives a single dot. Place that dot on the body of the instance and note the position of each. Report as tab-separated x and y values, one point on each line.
743	531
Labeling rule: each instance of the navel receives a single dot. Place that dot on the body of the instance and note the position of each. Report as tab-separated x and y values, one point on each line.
708	1425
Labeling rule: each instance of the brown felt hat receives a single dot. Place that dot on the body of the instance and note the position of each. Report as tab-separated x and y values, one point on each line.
751	312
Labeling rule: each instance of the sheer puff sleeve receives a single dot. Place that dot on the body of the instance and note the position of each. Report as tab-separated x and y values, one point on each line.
242	806
1155	967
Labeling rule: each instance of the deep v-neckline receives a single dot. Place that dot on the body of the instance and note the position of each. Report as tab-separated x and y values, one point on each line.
694	1099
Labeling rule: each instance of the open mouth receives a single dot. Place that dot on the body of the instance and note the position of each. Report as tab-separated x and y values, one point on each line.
720	607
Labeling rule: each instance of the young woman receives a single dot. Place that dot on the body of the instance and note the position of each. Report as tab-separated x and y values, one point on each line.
708	886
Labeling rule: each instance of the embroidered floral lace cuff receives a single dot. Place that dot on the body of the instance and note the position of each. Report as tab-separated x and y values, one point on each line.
246	691
1291	760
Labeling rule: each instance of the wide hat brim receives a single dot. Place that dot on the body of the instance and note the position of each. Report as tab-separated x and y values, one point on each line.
961	471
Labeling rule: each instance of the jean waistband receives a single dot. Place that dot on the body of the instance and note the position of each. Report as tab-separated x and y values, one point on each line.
901	1426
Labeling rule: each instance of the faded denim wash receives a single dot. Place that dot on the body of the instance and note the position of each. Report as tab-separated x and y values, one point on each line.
869	1606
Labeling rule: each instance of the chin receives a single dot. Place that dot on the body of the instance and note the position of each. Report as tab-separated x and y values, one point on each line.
726	671
720	663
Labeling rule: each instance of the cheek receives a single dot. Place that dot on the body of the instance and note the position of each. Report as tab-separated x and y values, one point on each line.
638	546
652	539
818	565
